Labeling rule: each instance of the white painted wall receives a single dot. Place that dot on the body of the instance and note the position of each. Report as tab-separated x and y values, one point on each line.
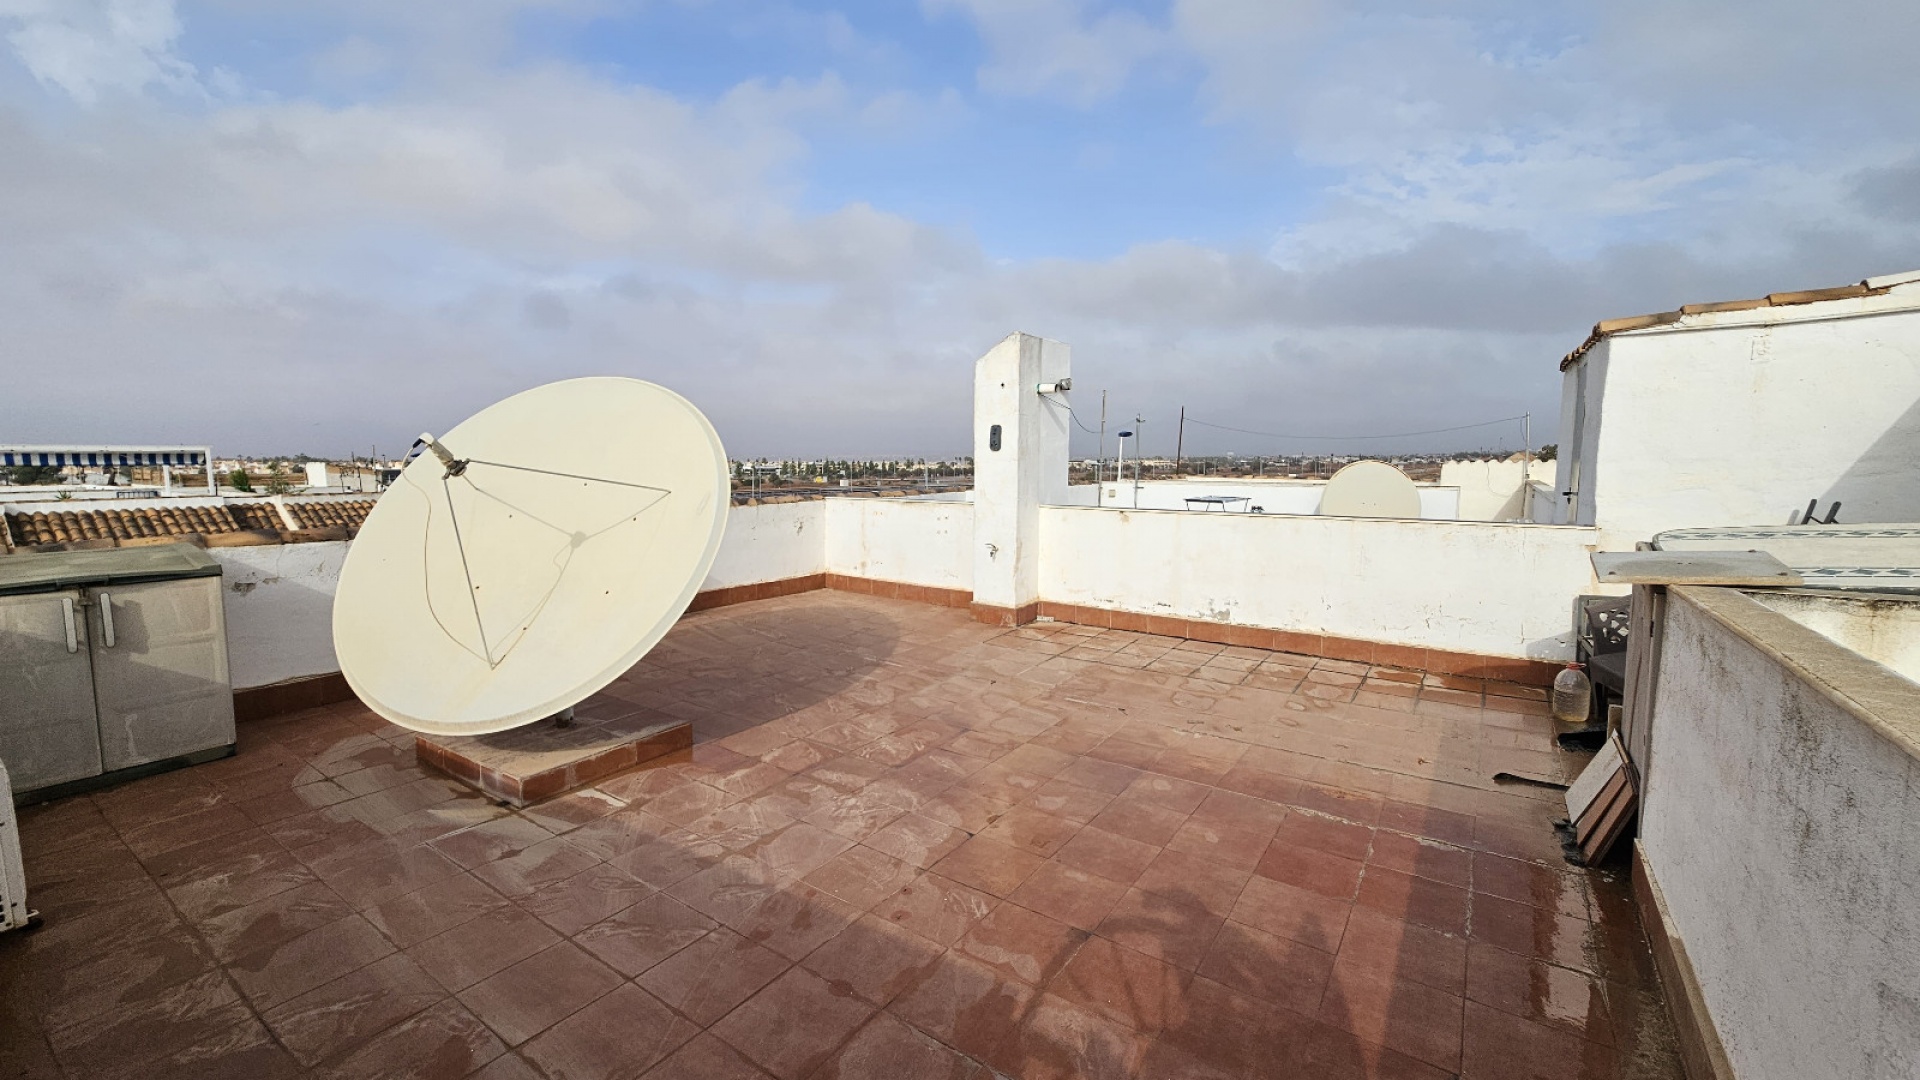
920	543
1490	489
1739	418
1437	503
770	542
279	607
1497	589
1028	470
1881	628
1779	825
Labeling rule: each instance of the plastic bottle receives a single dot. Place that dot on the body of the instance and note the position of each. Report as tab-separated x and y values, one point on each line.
1572	695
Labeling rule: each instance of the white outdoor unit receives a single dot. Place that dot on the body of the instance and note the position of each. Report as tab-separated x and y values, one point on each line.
13	876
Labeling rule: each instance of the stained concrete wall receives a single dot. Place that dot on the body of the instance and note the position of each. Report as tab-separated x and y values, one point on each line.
1739	418
920	543
279	606
1501	590
1883	629
1490	489
770	542
1437	503
1778	819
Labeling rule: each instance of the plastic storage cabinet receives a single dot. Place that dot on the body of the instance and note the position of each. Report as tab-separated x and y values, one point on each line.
113	664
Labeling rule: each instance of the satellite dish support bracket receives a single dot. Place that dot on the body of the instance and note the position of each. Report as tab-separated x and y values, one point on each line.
454	466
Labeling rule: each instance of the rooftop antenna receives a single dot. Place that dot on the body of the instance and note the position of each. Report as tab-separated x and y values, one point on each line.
531	556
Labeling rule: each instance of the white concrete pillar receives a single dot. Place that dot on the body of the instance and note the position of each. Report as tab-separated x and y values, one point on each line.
1019	464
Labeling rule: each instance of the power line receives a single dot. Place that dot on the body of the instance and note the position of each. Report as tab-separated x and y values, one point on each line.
1076	416
1340	438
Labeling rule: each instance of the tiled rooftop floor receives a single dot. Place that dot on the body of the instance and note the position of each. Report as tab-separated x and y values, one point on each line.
908	845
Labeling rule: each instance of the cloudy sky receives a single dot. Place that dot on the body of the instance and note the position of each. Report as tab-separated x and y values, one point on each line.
280	226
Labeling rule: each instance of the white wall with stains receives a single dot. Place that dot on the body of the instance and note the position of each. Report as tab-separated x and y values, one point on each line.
1739	418
770	542
279	607
1779	820
1496	589
911	541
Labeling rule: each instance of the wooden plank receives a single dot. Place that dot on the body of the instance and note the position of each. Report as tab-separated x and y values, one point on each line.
1644	639
1592	780
1609	795
1610	827
1745	568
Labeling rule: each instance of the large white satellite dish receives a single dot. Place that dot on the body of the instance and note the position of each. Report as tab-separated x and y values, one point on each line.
538	551
1372	489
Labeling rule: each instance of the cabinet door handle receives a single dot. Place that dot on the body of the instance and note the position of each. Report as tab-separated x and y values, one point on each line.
73	633
106	618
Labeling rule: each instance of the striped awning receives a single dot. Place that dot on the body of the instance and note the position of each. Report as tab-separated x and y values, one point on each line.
103	458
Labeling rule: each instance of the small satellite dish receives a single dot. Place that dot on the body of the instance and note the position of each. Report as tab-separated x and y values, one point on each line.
1370	489
538	551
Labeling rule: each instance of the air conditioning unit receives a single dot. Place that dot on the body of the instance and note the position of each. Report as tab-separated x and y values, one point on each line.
13	876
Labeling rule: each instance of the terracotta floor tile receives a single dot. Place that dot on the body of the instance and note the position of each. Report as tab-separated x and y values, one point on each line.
644	934
1125	986
1174	929
1021	943
920	841
704	1058
1058	1041
666	862
1535	933
965	1004
1238	848
794	1025
861	876
936	908
1193	879
1421	857
1298	914
344	1013
481	946
1335	836
989	866
535	867
1539	991
1107	855
618	1037
729	890
708	978
1329	875
570	903
1530	883
1415	899
875	959
1032	830
278	919
796	919
1500	1046
410	919
1099	775
445	1040
1071	896
279	973
532	995
886	1049
1413	1018
1139	819
1390	948
1180	796
1268	967
500	838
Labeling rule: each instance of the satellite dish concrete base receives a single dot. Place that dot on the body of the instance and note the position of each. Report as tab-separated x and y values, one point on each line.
542	761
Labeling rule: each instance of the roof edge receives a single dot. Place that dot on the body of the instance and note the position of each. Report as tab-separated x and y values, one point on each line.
1608	327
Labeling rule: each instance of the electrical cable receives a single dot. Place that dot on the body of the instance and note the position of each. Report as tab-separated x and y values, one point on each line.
1341	438
1048	398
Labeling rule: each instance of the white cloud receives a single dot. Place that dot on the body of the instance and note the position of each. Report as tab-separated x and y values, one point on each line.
88	48
1057	48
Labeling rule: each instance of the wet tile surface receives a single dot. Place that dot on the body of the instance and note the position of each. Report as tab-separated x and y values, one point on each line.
904	844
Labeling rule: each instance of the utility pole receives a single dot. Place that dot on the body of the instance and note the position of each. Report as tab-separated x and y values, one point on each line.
1139	454
1526	467
1100	454
1180	441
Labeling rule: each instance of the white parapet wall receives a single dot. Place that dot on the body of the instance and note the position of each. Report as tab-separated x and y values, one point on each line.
1437	503
917	542
1778	821
770	542
1471	587
279	607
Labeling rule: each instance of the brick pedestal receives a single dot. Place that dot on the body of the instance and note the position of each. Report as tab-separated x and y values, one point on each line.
540	760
